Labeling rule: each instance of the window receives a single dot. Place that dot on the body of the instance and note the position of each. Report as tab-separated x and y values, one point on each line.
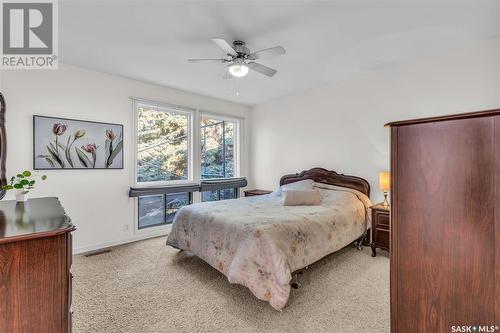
157	210
229	193
170	169
217	148
163	138
218	142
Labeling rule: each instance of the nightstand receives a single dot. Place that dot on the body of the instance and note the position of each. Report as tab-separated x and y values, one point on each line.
381	228
252	193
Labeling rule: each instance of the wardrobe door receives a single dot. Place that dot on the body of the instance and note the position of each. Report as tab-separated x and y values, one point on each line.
443	264
497	220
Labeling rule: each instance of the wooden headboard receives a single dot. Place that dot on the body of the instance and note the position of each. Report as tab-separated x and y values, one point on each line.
321	175
3	145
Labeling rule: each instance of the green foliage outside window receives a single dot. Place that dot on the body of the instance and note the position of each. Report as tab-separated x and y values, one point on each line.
217	149
163	146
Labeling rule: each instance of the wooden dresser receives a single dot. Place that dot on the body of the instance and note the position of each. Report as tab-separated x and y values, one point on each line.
445	223
35	261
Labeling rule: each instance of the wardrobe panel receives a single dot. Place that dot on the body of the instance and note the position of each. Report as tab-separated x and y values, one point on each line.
497	220
443	269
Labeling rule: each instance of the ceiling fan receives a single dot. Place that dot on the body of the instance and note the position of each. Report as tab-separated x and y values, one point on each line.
240	60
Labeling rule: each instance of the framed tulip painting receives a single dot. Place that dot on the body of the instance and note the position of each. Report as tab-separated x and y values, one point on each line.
60	143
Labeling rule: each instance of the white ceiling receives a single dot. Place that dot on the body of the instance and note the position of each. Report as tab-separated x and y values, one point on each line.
325	41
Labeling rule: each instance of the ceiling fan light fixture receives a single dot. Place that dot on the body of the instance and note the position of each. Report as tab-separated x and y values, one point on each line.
238	70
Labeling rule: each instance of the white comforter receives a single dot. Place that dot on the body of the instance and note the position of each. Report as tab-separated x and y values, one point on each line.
258	243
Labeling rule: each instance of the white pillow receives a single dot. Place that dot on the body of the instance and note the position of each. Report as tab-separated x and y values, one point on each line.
301	198
303	185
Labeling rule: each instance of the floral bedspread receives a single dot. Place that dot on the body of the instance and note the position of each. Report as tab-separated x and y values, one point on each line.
258	243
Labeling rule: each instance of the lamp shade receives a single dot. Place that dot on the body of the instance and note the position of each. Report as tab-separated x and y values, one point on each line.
384	180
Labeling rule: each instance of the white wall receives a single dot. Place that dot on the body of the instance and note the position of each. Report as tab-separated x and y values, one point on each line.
340	127
97	200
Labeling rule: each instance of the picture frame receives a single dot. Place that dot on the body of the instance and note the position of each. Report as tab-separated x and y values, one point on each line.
73	144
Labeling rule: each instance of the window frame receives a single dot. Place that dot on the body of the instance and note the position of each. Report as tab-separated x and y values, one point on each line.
235	189
238	124
165	203
190	140
194	154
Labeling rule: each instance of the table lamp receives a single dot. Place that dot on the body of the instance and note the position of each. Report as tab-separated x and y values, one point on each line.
384	180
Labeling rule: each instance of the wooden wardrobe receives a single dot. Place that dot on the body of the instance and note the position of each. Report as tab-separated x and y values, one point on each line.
445	220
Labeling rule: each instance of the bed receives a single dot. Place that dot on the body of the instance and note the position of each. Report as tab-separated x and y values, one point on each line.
257	242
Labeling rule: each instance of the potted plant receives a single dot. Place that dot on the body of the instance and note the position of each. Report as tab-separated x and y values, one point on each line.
23	183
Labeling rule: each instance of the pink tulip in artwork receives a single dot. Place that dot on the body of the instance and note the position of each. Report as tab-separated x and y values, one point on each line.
110	135
89	148
59	129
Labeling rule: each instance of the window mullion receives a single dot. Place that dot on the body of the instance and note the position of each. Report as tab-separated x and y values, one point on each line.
196	149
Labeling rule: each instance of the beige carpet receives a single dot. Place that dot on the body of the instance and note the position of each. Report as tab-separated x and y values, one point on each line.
148	287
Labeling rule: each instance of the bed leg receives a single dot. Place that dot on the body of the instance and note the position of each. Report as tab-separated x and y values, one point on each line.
295	284
360	241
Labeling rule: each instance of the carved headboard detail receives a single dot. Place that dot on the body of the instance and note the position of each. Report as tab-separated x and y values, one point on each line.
3	145
321	175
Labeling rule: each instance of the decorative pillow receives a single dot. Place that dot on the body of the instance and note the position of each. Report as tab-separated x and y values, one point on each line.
303	185
301	198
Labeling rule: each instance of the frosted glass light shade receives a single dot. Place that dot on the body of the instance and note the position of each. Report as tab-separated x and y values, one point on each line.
238	70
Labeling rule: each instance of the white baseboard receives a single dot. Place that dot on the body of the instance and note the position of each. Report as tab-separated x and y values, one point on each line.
135	238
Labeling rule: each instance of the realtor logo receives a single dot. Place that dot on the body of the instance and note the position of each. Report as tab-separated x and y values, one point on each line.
29	34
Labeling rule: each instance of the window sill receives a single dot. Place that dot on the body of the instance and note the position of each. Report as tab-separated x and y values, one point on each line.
165	189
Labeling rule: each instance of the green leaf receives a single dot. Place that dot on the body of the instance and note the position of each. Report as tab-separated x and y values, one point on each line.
24	182
115	152
52	152
7	187
44	177
107	151
31	183
56	151
50	162
84	160
94	157
63	147
19	176
67	152
18	186
26	173
60	145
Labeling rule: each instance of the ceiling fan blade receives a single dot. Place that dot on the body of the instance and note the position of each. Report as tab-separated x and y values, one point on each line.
208	60
262	69
272	51
225	46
